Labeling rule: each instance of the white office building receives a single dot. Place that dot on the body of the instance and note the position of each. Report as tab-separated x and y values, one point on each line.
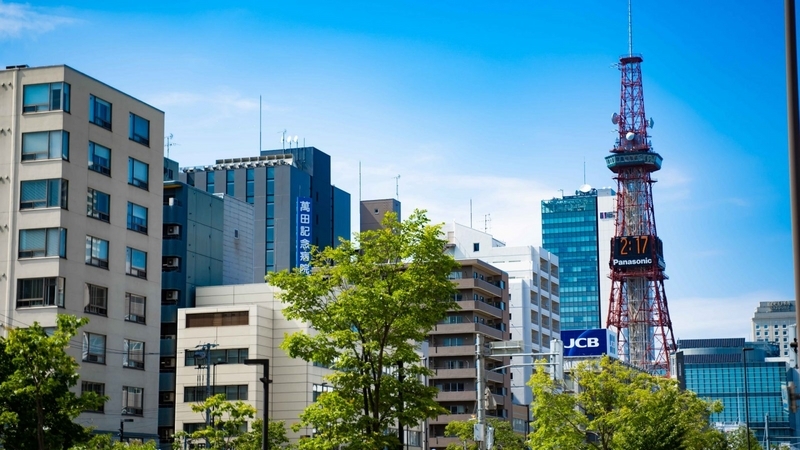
775	322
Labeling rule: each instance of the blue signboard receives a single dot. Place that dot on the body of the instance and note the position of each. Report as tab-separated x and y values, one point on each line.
589	342
304	234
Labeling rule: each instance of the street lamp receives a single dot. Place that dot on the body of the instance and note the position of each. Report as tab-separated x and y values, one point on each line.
265	381
122	428
746	400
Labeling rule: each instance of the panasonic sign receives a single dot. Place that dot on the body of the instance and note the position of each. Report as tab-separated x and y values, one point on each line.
595	342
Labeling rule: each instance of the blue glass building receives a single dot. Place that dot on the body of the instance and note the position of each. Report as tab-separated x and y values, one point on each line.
714	368
573	229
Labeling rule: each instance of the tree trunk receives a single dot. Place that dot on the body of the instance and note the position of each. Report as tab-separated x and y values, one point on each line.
40	423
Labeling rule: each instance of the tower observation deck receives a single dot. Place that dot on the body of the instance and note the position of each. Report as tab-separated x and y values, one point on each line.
638	305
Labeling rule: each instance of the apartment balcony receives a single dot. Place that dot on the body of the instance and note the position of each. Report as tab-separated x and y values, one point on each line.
488	289
458	350
467	328
442	442
447	418
477	305
497	377
454	373
458	396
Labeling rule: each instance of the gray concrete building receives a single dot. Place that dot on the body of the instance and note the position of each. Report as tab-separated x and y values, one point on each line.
80	230
372	212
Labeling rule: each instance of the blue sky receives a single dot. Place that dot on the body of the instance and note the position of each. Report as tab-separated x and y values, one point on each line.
498	104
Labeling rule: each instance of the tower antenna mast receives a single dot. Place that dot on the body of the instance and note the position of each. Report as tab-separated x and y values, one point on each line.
638	303
630	30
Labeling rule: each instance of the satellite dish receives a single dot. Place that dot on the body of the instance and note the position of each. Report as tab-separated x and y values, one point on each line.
650	123
585	188
630	135
615	118
295	138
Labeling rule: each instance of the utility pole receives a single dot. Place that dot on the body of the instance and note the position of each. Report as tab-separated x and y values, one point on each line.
480	427
205	349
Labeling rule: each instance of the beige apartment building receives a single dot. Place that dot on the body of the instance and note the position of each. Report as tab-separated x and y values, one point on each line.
483	300
80	230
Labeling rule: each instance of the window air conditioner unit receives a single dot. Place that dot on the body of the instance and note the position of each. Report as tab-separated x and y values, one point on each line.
172	295
173	230
171	262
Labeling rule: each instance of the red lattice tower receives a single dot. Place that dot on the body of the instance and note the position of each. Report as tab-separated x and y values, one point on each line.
638	306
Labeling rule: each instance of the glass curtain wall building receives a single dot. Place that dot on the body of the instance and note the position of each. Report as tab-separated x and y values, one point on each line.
714	368
578	229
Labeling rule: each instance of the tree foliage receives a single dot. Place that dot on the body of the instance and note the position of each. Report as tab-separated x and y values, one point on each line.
227	423
504	436
106	442
370	303
737	440
37	407
619	408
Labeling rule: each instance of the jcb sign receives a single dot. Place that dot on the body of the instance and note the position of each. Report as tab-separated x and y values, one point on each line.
589	343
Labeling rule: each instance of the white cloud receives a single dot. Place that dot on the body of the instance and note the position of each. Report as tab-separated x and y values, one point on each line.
716	317
17	19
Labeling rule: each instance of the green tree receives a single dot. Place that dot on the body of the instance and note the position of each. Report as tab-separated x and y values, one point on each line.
737	440
619	408
504	436
276	433
105	442
227	423
370	303
37	407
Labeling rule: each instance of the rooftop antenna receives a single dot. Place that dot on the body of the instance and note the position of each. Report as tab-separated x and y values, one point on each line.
397	186
562	193
283	139
470	213
487	221
359	176
259	124
630	33
169	143
584	170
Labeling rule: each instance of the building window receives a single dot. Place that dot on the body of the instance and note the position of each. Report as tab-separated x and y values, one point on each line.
135	308
230	176
45	145
45	97
132	401
97	252
135	262
100	112
33	292
139	130
137	218
43	242
218	319
210	182
250	187
98	205
43	194
198	393
96	300
476	247
138	173
94	348
97	388
132	354
224	356
99	158
319	389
